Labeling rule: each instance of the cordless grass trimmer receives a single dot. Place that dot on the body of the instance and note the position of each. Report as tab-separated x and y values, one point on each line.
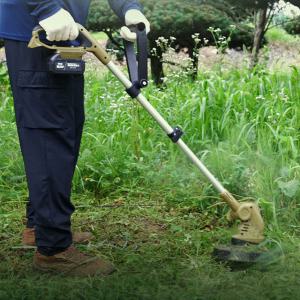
69	60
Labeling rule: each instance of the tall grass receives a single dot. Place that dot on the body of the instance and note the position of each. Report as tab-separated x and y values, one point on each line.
244	125
150	211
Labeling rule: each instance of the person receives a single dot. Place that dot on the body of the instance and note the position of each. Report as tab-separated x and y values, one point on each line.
49	112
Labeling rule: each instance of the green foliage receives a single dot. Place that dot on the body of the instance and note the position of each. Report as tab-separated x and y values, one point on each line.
253	4
193	17
101	17
178	19
245	125
3	77
293	26
278	34
259	3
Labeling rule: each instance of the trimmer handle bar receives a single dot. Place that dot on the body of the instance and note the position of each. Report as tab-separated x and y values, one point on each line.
90	45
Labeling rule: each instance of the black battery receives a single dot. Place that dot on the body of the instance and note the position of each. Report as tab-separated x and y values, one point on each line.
59	65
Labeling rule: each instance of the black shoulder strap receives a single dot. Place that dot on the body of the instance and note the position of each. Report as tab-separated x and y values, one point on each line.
131	61
137	63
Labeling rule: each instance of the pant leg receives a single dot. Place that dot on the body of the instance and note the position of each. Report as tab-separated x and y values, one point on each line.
77	92
49	117
29	214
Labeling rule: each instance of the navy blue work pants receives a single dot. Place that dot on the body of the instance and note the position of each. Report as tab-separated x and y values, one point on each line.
49	112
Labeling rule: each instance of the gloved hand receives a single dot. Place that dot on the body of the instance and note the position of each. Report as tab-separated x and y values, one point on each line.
60	26
133	17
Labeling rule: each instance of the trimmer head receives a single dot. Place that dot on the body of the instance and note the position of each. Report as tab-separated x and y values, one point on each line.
244	255
236	256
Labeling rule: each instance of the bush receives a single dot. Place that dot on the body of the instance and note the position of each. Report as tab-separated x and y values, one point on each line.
254	4
293	26
180	20
190	18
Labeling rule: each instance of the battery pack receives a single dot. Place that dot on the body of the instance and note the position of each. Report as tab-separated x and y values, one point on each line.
59	65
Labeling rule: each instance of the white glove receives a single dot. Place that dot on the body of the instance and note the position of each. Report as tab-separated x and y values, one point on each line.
133	17
60	26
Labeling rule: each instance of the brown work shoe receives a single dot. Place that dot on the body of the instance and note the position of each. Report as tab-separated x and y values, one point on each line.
28	237
72	262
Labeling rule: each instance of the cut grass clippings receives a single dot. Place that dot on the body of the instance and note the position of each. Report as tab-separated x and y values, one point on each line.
160	253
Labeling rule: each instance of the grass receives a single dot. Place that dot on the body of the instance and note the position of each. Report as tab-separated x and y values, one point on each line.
160	252
278	34
150	211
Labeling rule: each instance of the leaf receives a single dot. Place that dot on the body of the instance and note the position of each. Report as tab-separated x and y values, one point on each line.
289	188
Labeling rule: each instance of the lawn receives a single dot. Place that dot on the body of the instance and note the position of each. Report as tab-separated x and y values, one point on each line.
150	211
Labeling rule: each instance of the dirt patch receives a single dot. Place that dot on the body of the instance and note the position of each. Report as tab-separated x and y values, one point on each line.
147	227
132	232
282	55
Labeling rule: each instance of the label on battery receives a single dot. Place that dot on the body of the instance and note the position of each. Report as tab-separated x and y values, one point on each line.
69	66
60	66
66	66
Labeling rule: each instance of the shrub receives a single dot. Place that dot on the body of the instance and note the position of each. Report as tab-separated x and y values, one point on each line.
179	19
293	26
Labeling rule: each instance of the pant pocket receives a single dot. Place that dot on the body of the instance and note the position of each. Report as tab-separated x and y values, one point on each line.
43	100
